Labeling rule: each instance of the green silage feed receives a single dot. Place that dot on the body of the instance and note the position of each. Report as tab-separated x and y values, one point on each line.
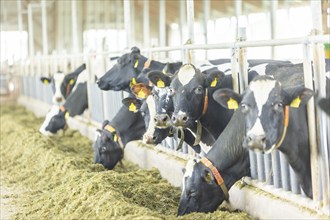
55	178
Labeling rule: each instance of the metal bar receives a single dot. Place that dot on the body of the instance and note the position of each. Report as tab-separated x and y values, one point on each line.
75	49
276	169
146	24
191	32
238	12
311	121
295	188
274	4
44	27
182	24
30	24
234	69
268	169
253	164
127	21
260	167
284	166
206	17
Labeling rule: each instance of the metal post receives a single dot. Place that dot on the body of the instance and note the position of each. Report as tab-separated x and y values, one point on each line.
75	49
207	12
260	167
119	7
311	122
146	24
127	21
274	5
182	24
190	22
31	43
253	164
44	27
243	65
162	25
238	12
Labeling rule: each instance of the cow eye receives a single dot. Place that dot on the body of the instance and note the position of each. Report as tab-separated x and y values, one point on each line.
245	108
278	106
199	90
170	91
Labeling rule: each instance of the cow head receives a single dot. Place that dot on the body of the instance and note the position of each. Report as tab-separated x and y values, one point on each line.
107	150
55	120
188	90
263	104
124	73
200	192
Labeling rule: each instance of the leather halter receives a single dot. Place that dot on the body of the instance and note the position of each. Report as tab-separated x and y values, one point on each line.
286	124
206	102
216	175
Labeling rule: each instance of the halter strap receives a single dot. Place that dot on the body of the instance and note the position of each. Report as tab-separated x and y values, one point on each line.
216	175
286	124
206	102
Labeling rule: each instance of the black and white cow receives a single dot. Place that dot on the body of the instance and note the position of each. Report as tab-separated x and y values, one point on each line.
129	68
200	190
110	141
275	116
62	84
75	104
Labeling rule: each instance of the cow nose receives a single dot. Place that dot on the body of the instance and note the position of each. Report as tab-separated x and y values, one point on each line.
256	141
149	139
59	99
161	120
179	120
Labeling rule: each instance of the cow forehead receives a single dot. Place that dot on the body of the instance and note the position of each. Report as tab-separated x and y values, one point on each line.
58	77
261	90
186	74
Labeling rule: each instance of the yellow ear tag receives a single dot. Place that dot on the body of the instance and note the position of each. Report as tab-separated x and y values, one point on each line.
136	64
232	104
132	107
115	138
46	82
66	115
214	82
141	94
133	82
110	128
296	102
160	84
71	82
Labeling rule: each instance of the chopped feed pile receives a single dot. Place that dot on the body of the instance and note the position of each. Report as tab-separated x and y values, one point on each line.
56	178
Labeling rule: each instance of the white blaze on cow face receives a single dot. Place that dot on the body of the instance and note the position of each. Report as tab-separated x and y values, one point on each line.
186	74
58	80
53	111
260	69
189	172
261	90
152	112
83	76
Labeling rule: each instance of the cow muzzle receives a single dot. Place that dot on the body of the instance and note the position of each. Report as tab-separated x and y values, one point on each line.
149	139
180	120
162	121
256	142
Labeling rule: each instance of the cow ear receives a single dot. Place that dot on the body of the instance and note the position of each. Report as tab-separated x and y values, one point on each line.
141	91
135	56
227	98
159	79
105	123
45	80
214	79
132	104
297	96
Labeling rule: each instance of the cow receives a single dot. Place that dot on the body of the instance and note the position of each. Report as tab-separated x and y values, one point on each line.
202	187
111	140
324	104
128	68
62	84
275	116
75	104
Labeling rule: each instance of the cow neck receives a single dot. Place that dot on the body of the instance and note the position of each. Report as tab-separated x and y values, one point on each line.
285	128
116	136
216	174
199	124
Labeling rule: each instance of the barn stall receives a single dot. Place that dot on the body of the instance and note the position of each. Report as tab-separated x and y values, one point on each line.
43	37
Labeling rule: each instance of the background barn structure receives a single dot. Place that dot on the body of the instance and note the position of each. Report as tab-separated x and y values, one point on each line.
41	37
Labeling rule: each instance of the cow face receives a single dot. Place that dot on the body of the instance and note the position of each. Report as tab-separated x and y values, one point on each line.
123	73
263	104
107	150
200	192
189	93
54	121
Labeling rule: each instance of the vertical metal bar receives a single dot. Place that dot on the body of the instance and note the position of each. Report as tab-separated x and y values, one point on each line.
20	26
238	12
206	17
274	4
146	24
127	21
268	169
44	27
119	7
311	121
74	40
182	24
295	188
191	32
321	119
253	164
260	167
284	172
31	43
276	169
243	65
234	69
162	26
